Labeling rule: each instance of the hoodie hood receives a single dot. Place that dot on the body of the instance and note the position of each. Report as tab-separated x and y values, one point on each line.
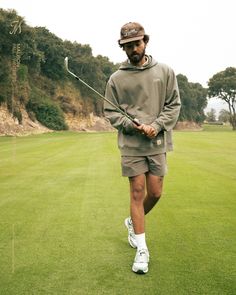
129	67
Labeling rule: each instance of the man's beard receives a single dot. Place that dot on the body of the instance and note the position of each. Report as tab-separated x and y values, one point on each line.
135	58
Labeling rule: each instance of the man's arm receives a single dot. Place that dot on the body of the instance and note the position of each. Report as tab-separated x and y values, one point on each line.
117	120
170	113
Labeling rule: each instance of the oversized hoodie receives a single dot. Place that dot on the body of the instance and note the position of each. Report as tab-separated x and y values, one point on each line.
150	94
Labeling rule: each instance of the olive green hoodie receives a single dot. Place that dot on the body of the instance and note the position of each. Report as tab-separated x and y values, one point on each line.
150	94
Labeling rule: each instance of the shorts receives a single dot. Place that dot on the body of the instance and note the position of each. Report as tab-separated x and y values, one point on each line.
133	166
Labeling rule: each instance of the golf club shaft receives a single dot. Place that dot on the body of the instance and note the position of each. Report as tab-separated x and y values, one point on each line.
135	121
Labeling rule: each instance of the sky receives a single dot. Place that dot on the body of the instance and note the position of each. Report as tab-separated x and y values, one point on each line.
195	37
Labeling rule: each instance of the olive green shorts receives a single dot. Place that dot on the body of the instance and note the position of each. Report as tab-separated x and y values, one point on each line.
133	166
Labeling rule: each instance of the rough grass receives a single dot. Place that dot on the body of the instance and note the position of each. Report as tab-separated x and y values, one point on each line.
63	202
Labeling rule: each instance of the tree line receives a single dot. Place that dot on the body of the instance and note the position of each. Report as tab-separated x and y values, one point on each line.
32	69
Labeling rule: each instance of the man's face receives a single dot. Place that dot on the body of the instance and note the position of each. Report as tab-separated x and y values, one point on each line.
135	51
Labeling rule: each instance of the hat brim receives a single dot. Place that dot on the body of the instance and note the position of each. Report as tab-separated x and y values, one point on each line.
123	41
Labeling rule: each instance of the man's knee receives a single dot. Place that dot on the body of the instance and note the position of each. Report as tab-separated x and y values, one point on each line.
137	189
138	193
155	186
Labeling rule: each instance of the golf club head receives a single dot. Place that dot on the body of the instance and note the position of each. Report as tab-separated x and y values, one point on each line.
66	63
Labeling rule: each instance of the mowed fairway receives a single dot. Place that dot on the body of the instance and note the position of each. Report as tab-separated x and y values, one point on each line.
63	203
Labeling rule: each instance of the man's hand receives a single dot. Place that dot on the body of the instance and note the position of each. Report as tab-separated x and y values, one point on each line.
148	130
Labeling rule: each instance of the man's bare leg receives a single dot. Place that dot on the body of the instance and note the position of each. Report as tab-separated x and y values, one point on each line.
154	190
137	196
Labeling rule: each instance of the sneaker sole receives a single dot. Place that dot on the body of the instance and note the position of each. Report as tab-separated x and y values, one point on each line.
140	271
130	242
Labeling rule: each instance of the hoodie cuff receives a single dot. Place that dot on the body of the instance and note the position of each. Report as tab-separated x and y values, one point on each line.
128	127
156	126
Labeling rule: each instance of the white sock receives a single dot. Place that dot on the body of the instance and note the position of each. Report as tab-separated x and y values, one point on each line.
141	241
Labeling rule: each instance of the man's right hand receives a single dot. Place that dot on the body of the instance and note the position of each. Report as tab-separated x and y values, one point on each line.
148	130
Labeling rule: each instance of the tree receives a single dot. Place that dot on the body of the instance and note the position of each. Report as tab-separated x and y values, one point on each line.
224	116
54	53
199	98
193	98
223	86
211	116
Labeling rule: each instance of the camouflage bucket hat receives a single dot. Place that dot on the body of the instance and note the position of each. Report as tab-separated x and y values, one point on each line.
131	32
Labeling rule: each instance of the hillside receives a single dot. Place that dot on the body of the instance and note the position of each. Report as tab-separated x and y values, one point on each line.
36	92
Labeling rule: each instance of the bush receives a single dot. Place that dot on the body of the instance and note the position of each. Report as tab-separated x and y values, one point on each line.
2	99
47	113
17	114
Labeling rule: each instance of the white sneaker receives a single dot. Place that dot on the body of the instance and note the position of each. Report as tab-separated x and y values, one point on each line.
131	235
141	260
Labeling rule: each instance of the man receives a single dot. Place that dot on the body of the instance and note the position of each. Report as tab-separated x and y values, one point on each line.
148	91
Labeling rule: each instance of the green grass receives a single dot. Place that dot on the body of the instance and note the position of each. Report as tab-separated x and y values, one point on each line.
63	202
217	128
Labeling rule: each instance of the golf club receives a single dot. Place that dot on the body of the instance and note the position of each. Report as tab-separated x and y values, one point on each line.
135	121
